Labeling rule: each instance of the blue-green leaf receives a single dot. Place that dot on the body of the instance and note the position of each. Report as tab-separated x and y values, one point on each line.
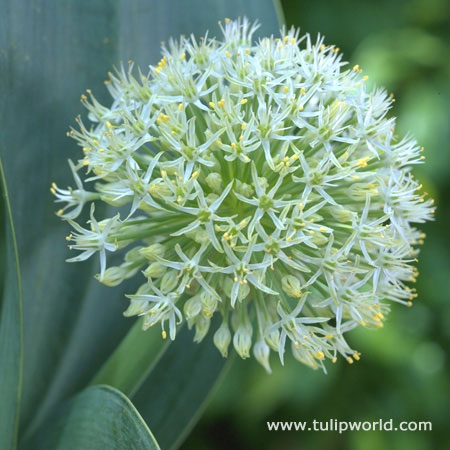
10	324
98	418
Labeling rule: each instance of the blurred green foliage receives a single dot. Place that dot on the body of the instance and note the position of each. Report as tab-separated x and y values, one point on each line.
404	371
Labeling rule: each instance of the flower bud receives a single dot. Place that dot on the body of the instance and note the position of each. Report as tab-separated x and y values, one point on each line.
169	281
192	307
153	252
214	181
242	340
113	276
136	306
209	303
273	339
261	351
211	198
222	339
243	188
291	285
133	255
201	327
155	270
319	239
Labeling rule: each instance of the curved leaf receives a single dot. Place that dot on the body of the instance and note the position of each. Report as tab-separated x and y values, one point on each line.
98	418
10	325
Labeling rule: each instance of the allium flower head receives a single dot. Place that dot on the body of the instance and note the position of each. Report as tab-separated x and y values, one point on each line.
262	182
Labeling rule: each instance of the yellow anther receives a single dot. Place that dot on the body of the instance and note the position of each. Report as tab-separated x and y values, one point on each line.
246	158
163	334
286	89
363	161
85	162
301	108
349	359
108	124
195	174
83	98
183	56
243	223
358	84
294	157
243	126
292	41
357	356
247	51
227	20
289	239
244	101
302	91
95	142
69	237
233	145
329	336
180	107
410	303
52	190
163	173
70	247
227	54
101	150
212	105
311	231
365	77
300	206
322	47
218	142
336	49
379	324
334	360
221	103
320	355
217	228
60	212
236	279
241	138
356	67
323	229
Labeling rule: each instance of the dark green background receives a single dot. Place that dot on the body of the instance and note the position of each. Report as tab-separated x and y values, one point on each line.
404	370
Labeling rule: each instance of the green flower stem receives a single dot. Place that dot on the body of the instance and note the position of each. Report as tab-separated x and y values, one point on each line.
133	359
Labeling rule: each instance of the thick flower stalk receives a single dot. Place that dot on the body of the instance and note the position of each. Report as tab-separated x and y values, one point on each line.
261	182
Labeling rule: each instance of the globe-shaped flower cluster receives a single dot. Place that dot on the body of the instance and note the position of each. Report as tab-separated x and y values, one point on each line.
261	182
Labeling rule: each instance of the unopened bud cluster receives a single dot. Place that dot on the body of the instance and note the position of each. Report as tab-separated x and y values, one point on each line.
261	182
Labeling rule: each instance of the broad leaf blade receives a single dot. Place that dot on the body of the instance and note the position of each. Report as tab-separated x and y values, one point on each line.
10	325
173	395
98	418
